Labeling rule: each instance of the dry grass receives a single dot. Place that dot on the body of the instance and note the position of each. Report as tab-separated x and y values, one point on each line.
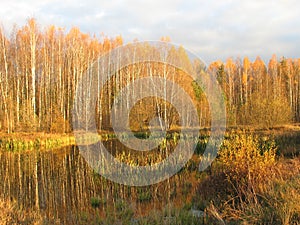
250	185
29	136
10	215
30	140
276	203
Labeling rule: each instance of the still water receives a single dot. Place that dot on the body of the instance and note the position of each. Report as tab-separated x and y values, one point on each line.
61	184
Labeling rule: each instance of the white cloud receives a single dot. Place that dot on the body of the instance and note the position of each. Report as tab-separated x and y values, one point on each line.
212	29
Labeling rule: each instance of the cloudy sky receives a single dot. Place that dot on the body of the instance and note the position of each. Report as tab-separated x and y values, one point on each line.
212	29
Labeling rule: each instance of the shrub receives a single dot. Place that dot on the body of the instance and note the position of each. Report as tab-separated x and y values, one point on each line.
256	188
28	119
60	125
265	112
96	202
247	161
242	173
144	195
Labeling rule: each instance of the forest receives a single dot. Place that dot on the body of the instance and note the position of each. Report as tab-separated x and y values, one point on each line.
46	180
40	67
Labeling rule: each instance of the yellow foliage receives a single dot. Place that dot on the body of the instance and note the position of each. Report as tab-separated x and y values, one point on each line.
244	78
246	160
265	112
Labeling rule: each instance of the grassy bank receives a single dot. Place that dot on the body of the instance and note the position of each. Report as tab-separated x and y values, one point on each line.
287	138
28	141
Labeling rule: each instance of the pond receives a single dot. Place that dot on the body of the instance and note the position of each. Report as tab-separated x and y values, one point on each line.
62	185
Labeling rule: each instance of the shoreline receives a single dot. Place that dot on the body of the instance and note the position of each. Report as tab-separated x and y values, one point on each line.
19	141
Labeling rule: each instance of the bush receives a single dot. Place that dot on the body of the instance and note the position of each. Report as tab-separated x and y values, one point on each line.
247	161
96	202
60	125
29	121
240	177
144	195
255	188
265	112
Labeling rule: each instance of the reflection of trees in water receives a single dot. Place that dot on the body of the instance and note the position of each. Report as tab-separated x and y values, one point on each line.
61	184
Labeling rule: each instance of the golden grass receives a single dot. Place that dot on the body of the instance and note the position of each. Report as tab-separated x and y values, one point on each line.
9	214
33	140
249	184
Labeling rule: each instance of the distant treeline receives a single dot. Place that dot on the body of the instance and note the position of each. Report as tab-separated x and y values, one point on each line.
40	68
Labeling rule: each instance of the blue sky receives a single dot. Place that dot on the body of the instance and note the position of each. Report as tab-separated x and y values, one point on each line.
212	29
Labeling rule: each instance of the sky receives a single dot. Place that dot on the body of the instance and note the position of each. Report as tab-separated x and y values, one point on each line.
214	30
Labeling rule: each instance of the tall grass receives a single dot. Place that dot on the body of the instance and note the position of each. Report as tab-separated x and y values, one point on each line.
250	185
9	214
